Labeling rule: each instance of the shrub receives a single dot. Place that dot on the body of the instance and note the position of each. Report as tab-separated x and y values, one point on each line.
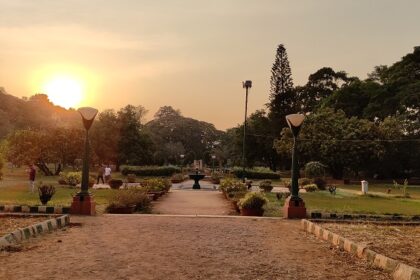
215	178
130	197
156	185
255	173
310	188
115	183
287	184
232	186
253	200
314	169
71	178
151	170
266	186
320	183
131	178
304	181
45	192
177	178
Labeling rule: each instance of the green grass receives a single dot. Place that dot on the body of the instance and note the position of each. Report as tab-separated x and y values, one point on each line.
349	202
414	191
19	194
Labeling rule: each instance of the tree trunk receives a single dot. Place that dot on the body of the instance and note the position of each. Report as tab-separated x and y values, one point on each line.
58	170
44	168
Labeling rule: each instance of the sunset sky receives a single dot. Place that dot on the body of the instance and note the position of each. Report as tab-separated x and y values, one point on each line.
190	54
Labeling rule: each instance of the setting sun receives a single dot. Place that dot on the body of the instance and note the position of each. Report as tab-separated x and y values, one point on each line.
64	91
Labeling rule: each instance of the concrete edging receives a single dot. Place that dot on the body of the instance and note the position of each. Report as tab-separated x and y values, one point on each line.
398	270
35	209
35	230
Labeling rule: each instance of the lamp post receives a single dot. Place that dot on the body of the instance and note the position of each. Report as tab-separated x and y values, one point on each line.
182	162
246	85
213	157
294	206
83	203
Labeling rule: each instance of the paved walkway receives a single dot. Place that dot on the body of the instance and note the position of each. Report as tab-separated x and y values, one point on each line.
157	247
183	200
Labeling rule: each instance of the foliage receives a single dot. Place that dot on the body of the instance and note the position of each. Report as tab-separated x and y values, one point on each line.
215	178
304	181
266	186
320	183
177	178
115	183
255	173
232	186
156	185
253	200
45	192
71	178
310	187
151	170
403	187
314	169
130	197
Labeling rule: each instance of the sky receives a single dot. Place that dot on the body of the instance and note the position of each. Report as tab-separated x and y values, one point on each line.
191	54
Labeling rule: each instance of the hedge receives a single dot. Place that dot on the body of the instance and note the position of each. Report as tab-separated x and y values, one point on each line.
255	174
151	170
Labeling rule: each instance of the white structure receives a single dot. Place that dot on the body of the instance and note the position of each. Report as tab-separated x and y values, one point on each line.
364	186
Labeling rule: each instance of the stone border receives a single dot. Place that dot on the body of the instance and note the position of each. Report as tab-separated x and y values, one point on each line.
343	216
35	230
398	270
35	209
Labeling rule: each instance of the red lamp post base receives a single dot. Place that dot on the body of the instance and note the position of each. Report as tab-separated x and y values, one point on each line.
83	205
294	208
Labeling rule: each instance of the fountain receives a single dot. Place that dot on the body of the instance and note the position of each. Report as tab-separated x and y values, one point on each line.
196	177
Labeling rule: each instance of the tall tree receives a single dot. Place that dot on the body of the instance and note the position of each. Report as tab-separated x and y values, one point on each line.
282	97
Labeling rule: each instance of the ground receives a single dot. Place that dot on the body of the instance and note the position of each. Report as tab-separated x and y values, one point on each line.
159	247
395	241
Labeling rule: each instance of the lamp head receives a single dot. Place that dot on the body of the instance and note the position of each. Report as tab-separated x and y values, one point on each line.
295	122
182	156
247	84
213	156
88	115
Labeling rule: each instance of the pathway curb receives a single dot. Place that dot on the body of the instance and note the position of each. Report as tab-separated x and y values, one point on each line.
34	230
35	209
398	270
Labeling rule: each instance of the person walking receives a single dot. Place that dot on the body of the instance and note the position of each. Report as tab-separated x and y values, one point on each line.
32	174
107	173
101	171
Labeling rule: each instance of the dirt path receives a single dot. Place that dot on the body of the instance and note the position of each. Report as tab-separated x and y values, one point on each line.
192	202
159	247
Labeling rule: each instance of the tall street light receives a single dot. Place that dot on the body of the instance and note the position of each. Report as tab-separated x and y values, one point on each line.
83	203
182	162
213	157
246	85
294	207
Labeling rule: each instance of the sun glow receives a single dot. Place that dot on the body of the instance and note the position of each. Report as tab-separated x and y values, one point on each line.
64	91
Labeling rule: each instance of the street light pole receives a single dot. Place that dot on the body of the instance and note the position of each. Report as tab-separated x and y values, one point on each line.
247	85
294	207
83	203
213	157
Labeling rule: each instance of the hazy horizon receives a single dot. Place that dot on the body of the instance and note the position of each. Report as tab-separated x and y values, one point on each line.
194	55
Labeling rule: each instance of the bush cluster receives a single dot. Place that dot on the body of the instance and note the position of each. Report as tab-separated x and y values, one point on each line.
151	170
266	186
130	197
70	178
156	185
256	173
253	200
177	178
310	188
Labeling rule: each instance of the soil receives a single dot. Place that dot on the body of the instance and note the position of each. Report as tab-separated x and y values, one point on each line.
9	224
167	247
395	241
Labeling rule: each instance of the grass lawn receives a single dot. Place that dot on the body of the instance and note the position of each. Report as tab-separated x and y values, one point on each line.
414	191
19	195
346	201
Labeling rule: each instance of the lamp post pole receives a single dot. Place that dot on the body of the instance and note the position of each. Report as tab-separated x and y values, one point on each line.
182	162
294	207
247	84
83	202
213	157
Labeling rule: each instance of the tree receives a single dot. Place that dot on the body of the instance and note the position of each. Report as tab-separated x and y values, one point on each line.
282	95
135	146
320	85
